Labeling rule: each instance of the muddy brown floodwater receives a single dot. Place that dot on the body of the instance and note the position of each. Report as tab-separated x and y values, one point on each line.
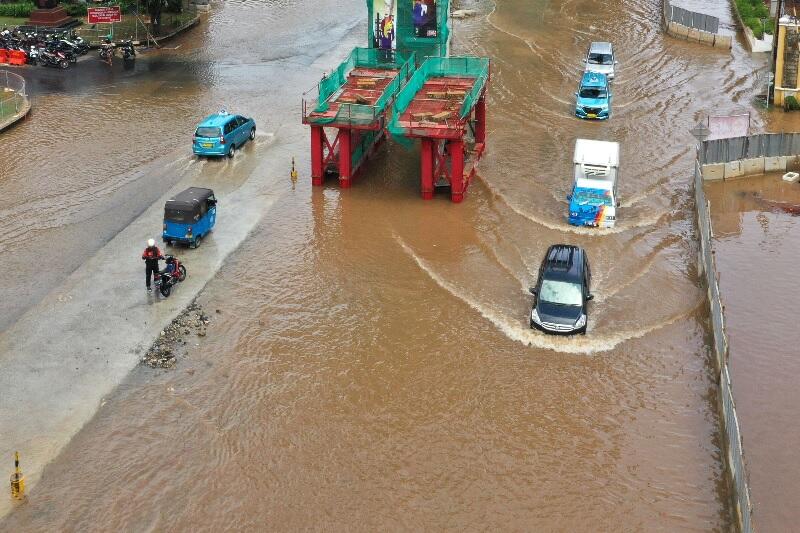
756	240
371	366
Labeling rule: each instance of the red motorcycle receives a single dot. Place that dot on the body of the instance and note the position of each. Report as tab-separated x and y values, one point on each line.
170	276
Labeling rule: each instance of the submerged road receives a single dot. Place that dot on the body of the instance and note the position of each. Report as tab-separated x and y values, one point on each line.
371	365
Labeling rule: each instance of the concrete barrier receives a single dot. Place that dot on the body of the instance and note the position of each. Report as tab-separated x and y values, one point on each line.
774	164
723	41
715	171
733	170
752	166
692	34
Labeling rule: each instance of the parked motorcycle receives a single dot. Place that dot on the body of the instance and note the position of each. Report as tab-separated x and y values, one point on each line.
128	51
63	50
170	276
53	59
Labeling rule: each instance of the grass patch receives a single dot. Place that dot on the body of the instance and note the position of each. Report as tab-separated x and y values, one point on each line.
12	21
10	103
755	16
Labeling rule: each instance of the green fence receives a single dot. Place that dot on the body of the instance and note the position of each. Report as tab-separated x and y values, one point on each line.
13	100
433	67
317	99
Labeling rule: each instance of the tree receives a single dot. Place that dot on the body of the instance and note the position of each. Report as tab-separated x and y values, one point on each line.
154	8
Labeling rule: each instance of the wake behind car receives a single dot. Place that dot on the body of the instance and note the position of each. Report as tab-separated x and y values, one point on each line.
562	291
222	134
593	97
600	58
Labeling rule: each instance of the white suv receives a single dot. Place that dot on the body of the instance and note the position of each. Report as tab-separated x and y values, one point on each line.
600	58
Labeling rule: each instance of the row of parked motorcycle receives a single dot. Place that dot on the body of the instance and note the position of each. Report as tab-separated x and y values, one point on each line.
58	48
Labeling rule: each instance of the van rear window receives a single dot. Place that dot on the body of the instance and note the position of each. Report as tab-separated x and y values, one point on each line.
207	132
176	215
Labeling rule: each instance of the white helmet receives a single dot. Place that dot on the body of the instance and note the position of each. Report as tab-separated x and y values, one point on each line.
151	242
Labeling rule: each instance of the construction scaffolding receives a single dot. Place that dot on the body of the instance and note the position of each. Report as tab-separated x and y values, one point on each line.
353	99
444	105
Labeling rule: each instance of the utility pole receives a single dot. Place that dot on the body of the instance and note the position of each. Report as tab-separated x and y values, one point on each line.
771	86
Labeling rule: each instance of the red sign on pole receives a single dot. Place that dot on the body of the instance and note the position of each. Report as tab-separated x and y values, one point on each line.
104	15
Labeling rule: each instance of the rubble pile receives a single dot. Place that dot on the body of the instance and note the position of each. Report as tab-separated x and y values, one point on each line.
162	354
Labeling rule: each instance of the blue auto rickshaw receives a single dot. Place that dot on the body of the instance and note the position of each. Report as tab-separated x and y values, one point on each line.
189	216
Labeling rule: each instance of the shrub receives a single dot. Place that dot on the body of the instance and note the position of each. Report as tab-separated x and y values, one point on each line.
790	103
752	13
75	10
19	9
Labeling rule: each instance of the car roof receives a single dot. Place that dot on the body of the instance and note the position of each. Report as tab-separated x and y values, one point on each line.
600	47
594	79
188	199
216	120
563	262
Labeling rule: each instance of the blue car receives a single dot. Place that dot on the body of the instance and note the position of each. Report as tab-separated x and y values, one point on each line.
593	97
222	134
189	216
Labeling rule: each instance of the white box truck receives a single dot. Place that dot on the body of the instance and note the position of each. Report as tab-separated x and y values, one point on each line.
593	200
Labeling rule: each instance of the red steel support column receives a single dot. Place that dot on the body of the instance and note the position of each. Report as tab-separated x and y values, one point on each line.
345	158
317	136
426	157
456	150
480	120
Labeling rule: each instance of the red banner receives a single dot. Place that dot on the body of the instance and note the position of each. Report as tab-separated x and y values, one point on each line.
104	15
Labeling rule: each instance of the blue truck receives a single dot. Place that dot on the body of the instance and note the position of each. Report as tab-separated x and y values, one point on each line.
594	200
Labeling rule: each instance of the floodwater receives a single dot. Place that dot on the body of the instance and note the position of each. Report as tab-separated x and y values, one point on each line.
370	365
756	239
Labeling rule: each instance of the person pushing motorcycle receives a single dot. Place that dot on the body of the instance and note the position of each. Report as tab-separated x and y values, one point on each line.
151	256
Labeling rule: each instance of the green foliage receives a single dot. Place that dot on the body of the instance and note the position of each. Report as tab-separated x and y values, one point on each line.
790	103
76	9
753	12
20	9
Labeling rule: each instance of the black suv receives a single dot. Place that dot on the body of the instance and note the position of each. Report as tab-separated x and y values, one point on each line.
562	291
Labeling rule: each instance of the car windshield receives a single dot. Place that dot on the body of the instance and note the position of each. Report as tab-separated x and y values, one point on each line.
593	92
600	59
207	132
561	293
591	197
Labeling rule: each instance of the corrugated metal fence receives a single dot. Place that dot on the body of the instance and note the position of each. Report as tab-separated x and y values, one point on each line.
749	147
690	19
732	436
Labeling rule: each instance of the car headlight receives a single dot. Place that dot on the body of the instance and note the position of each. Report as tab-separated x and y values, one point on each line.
581	322
573	214
535	316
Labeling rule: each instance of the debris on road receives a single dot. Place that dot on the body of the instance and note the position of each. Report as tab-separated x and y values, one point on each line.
162	354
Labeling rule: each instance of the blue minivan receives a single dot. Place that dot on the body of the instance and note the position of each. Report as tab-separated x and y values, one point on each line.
222	134
189	216
593	97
